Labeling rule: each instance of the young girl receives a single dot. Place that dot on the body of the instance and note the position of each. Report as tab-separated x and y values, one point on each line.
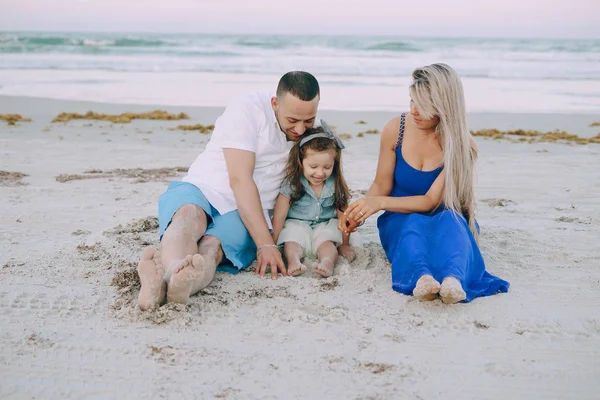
312	197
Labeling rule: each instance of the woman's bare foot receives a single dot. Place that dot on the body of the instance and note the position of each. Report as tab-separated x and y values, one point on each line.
451	291
296	268
427	288
150	270
324	267
347	252
185	275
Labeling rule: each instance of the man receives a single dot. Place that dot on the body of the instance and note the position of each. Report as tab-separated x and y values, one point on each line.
218	216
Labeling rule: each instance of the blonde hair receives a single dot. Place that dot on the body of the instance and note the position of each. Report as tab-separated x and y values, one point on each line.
436	90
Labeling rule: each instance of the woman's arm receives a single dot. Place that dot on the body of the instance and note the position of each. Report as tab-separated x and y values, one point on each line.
282	206
416	204
386	163
425	203
408	204
367	206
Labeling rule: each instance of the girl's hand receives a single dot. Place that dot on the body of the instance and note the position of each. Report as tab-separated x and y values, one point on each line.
363	208
346	225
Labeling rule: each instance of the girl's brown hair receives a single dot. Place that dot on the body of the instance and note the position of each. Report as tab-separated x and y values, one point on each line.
294	172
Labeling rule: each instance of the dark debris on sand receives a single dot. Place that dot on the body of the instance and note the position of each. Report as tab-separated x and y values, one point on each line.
531	136
368	132
376	368
497	202
329	284
140	174
264	293
123	118
148	224
480	325
126	277
12	119
204	129
12	178
137	234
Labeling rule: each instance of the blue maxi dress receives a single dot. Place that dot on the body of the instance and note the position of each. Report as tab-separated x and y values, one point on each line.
439	243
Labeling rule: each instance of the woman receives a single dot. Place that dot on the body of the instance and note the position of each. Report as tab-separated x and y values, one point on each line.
424	183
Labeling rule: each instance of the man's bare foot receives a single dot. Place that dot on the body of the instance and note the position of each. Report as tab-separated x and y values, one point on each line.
347	252
451	291
296	268
427	288
324	267
150	270
185	275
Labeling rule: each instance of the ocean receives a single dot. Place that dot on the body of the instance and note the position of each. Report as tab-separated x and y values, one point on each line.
355	72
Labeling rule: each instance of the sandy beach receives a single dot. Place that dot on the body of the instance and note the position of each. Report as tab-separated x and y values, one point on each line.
80	203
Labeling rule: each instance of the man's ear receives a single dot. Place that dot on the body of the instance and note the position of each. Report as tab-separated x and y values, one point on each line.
274	103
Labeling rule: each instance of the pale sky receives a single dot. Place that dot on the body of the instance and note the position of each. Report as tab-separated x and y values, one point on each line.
487	18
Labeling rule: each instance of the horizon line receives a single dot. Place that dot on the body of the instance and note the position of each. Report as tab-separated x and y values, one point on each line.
231	33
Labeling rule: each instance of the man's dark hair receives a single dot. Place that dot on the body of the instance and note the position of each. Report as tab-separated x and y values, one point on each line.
300	84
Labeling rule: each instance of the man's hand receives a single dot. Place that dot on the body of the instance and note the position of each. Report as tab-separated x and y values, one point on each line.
270	256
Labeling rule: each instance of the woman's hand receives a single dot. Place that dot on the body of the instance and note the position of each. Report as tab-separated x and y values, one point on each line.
363	208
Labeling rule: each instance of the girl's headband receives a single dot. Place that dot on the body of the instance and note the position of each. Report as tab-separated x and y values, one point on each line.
327	133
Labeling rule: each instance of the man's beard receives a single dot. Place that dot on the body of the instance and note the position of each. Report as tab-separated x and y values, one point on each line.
289	139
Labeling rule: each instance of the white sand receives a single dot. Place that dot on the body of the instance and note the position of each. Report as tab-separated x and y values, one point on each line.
66	332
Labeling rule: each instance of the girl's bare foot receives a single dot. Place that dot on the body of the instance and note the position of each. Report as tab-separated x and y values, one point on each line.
451	291
185	276
296	268
347	252
427	288
324	267
150	270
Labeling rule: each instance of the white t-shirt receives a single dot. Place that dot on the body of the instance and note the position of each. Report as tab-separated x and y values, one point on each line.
249	123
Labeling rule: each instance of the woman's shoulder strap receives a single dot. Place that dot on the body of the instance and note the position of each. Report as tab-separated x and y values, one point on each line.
401	130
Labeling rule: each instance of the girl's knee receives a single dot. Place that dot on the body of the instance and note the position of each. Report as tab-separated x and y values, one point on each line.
327	245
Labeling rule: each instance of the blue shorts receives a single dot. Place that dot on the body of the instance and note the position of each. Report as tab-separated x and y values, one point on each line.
237	244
